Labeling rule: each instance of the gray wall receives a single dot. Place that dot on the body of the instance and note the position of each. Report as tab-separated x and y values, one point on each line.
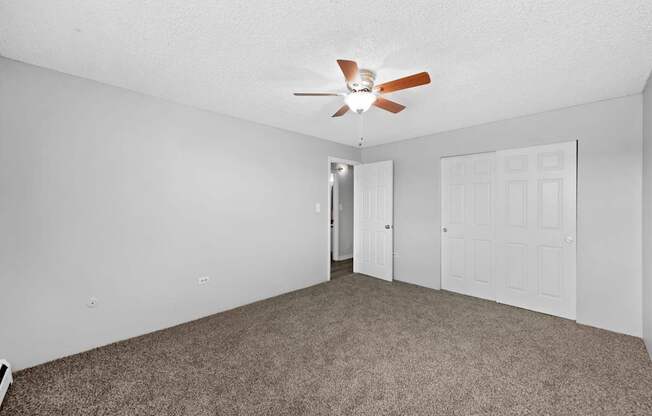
609	200
345	191
647	215
109	193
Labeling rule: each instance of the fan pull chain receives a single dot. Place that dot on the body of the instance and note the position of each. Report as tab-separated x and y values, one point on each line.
360	131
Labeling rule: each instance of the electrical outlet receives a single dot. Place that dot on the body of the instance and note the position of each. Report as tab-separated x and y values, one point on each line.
203	280
92	302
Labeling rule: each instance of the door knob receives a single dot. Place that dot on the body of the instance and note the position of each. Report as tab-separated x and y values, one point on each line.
444	229
387	226
569	239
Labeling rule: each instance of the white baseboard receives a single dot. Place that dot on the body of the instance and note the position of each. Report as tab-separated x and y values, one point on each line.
343	257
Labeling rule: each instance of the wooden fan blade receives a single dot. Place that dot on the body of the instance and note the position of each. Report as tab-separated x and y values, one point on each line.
349	68
388	105
316	94
341	111
415	80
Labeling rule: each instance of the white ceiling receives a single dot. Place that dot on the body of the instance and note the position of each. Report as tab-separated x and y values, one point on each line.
488	60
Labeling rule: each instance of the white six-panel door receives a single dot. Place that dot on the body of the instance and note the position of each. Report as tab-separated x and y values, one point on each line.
536	228
509	227
468	218
373	202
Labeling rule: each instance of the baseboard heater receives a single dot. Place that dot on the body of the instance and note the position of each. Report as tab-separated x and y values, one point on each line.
5	379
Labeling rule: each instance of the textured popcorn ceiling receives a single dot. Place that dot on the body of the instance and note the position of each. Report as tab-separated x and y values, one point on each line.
488	60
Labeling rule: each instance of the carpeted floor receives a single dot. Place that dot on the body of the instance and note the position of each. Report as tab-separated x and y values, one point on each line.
352	346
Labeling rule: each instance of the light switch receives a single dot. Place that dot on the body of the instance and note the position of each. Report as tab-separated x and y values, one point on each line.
317	208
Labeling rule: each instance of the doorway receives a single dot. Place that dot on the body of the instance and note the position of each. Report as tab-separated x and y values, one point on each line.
371	224
341	219
509	227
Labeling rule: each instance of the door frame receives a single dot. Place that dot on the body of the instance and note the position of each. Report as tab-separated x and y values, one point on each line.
577	202
332	159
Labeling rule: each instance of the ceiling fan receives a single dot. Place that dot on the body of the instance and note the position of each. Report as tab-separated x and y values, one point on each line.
363	93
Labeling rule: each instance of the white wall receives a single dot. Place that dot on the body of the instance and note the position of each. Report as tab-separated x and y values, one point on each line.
129	198
647	216
609	200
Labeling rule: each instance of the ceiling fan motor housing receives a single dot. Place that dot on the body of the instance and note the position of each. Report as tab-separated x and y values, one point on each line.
365	81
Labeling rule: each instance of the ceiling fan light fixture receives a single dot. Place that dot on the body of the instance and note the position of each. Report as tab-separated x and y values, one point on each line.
363	91
360	101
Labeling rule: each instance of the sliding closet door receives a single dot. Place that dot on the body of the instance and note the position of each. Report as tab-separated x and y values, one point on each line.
468	224
536	228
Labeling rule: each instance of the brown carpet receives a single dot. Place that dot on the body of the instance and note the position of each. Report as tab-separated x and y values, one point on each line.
341	268
353	346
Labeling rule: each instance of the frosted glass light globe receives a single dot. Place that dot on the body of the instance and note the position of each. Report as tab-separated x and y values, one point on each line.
360	101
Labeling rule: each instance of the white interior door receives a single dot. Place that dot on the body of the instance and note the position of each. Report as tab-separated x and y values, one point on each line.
468	224
373	202
536	228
